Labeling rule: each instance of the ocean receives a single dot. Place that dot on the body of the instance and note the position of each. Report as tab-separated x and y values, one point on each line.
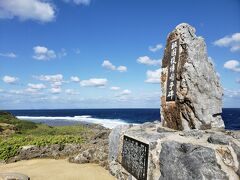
110	117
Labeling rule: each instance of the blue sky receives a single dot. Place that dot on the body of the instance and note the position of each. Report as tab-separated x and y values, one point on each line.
105	53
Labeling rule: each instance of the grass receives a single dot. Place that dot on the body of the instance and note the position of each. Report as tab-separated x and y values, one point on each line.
29	133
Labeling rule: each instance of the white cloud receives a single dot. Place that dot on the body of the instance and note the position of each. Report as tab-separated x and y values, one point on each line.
50	78
124	95
233	65
1	90
94	82
108	65
75	79
16	92
153	76
71	92
56	90
55	80
10	79
155	48
231	93
232	41
121	68
36	86
114	88
78	2
56	83
39	10
33	88
9	55
43	53
126	92
148	61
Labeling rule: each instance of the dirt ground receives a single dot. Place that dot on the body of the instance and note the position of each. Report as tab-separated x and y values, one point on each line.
39	169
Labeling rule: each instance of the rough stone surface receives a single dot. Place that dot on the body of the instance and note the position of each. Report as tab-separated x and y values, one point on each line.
94	151
192	133
198	102
114	141
219	139
179	154
53	151
185	161
13	176
236	148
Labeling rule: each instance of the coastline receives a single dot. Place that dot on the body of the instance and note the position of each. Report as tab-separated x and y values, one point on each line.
37	148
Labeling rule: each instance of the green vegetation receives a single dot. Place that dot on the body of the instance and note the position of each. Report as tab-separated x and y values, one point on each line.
28	133
18	125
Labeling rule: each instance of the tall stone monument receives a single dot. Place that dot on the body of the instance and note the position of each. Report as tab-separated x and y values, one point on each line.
180	147
191	91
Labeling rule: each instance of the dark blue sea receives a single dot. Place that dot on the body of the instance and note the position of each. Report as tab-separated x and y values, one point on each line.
110	117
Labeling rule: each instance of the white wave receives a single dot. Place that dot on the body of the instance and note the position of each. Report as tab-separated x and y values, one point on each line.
108	123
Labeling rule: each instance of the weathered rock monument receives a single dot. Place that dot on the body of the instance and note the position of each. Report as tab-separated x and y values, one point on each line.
190	142
191	91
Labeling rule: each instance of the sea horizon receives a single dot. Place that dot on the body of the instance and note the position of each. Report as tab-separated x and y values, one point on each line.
109	117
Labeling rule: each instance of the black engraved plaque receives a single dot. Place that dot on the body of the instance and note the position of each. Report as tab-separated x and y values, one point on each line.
135	157
172	69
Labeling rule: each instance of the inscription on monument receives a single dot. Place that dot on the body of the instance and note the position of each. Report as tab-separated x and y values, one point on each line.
172	69
135	157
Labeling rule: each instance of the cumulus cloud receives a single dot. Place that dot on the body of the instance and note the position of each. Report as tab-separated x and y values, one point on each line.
231	93
75	79
9	55
10	79
108	65
114	88
148	61
55	80
233	42
126	92
36	86
94	82
43	53
121	68
51	78
39	10
153	76
233	65
155	48
78	2
124	95
16	92
71	92
33	88
55	90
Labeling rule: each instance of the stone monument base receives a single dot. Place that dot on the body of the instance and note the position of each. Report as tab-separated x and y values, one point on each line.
150	151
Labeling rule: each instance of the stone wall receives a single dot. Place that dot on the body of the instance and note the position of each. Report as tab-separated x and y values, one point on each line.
183	155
